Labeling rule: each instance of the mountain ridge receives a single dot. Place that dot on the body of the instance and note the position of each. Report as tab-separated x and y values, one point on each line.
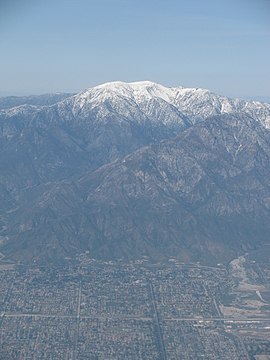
198	103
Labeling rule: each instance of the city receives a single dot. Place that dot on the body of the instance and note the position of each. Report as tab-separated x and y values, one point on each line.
137	310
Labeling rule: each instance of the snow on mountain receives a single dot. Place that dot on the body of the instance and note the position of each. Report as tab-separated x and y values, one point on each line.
140	102
145	103
19	110
199	103
148	101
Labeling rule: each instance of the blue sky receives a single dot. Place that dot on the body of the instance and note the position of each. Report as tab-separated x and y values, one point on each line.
69	45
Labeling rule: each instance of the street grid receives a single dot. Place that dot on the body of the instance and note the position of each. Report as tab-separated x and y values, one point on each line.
98	310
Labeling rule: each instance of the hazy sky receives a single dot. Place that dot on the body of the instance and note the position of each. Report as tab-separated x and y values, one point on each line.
69	45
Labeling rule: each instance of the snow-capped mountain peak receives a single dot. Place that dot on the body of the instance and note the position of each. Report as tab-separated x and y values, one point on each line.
135	91
142	102
146	99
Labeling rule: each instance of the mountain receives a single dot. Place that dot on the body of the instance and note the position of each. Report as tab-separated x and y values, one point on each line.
100	125
147	100
127	170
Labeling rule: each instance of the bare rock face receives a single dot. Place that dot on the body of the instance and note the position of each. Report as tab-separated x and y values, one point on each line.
131	170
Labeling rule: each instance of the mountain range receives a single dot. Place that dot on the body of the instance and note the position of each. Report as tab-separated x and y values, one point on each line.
125	170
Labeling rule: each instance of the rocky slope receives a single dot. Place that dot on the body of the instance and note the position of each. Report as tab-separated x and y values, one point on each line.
202	196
